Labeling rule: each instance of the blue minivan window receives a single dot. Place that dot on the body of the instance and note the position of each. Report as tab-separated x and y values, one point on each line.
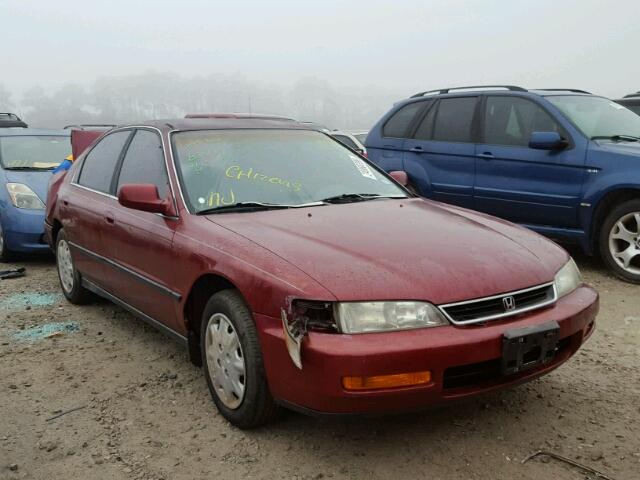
454	119
598	116
511	121
398	124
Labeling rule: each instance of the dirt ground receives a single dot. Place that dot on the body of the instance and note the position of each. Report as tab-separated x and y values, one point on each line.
145	412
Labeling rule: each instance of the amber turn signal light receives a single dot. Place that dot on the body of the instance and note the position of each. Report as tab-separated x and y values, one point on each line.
386	381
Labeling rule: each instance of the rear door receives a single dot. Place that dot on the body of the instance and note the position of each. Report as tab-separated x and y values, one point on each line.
87	206
521	184
440	156
140	248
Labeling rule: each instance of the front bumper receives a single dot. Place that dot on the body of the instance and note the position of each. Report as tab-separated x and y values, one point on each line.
24	230
464	361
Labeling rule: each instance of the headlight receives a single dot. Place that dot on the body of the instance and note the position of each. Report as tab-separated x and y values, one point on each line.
23	197
360	317
567	279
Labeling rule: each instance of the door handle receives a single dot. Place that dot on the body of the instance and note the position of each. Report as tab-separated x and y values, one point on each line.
416	150
485	155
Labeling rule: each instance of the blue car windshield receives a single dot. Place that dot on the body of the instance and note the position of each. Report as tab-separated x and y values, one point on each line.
33	152
597	116
275	167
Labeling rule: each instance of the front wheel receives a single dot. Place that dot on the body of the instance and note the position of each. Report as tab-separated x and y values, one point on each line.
232	362
5	254
620	241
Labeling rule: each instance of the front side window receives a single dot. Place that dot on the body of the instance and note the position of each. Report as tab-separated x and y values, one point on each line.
277	167
454	119
598	117
99	165
33	152
144	162
512	120
398	125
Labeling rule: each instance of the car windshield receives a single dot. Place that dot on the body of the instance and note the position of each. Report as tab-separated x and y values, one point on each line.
597	116
33	152
275	167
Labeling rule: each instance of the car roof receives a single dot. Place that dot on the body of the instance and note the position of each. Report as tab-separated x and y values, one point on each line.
24	132
222	123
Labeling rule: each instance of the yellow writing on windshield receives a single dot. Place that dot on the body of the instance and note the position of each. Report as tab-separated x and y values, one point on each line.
237	173
216	199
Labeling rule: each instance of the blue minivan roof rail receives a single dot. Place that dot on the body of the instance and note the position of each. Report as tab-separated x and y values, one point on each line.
572	90
442	91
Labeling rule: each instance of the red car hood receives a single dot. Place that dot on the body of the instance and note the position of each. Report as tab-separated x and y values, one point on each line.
402	249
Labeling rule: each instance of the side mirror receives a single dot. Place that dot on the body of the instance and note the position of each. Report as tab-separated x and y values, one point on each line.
547	141
144	197
400	176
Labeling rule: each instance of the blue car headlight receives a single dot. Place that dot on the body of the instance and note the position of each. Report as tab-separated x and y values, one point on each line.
23	197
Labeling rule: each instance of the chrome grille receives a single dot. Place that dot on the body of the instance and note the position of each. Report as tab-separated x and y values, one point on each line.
500	306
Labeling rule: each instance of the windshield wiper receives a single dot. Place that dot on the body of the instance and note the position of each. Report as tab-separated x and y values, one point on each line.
357	197
617	138
253	206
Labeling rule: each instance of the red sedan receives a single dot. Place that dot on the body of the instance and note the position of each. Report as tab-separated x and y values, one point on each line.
299	274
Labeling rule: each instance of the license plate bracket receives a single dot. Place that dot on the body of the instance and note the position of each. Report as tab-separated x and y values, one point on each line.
529	347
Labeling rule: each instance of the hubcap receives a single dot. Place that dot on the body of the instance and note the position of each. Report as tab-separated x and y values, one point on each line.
225	361
65	266
624	242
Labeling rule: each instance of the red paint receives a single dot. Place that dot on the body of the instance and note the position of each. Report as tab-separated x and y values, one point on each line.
412	249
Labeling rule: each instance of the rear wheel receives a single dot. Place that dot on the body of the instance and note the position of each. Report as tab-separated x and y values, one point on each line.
620	241
5	254
69	277
232	362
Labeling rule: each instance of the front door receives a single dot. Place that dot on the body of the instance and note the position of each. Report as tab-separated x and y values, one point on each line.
521	184
440	156
140	248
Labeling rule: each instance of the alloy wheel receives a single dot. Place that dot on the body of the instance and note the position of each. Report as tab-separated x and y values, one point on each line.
225	361
65	266
624	242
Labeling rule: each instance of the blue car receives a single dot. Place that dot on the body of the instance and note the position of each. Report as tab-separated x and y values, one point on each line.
27	158
564	163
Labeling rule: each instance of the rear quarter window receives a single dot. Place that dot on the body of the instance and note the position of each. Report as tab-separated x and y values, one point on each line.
398	125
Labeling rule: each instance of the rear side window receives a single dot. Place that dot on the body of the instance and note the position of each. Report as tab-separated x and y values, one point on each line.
144	162
99	165
512	120
399	122
454	119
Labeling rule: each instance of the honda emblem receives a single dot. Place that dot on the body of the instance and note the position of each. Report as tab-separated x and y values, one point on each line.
509	303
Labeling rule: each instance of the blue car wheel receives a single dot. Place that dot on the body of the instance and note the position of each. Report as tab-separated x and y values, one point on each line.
5	253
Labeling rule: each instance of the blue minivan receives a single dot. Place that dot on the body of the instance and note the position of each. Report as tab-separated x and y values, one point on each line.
562	162
27	158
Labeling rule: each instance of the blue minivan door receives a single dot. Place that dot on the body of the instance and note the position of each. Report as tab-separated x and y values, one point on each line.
440	156
519	183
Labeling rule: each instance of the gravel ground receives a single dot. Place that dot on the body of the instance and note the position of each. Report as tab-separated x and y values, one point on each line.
145	412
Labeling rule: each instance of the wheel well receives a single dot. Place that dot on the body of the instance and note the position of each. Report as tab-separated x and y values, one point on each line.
197	299
609	201
57	226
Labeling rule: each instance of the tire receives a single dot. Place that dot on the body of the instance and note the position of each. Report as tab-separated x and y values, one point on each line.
6	255
619	241
70	280
233	364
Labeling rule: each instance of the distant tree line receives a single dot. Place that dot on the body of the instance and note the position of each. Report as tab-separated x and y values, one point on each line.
152	95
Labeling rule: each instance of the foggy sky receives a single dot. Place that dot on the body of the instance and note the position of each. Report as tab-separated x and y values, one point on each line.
402	46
